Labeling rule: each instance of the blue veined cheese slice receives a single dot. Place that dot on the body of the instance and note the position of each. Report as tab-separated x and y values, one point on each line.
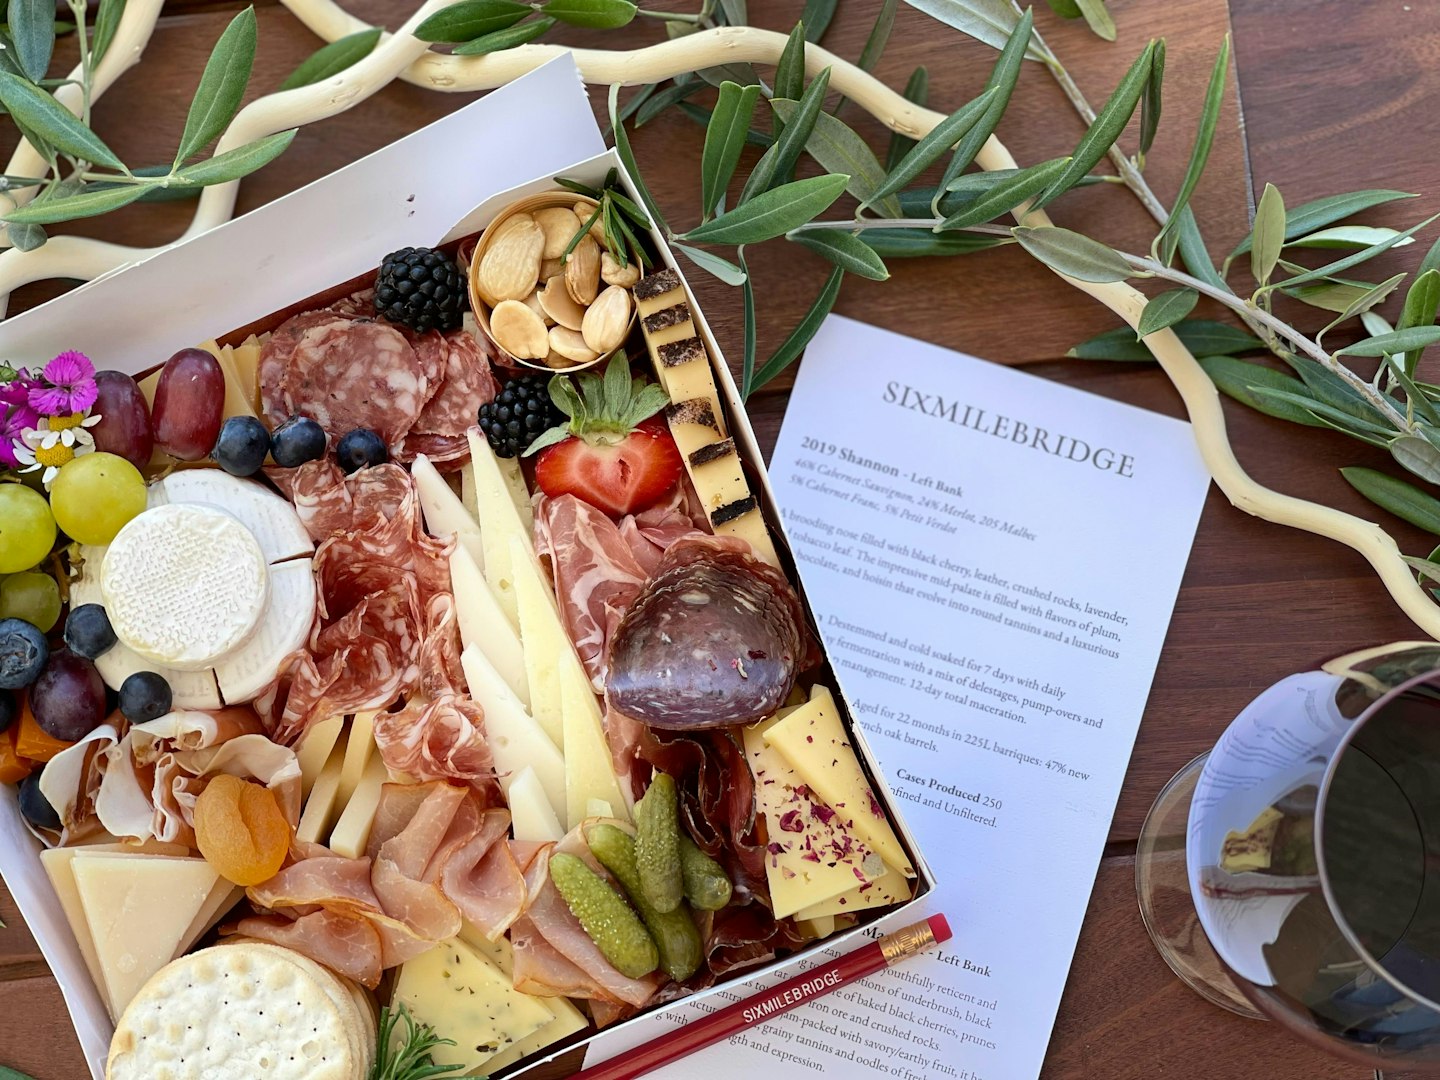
465	997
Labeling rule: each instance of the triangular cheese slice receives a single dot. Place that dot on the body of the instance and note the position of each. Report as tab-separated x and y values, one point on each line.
222	898
139	909
589	767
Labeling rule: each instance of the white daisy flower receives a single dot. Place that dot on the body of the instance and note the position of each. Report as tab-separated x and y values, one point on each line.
58	441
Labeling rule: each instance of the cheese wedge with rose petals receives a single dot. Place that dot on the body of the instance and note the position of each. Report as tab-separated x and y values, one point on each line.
891	887
810	857
138	909
465	997
813	741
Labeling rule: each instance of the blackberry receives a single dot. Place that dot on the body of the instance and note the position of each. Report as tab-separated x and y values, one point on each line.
519	415
421	288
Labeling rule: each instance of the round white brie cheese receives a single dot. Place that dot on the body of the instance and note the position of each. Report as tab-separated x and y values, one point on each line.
184	585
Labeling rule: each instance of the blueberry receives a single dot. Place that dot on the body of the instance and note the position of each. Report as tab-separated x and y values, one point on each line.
88	631
144	696
359	449
35	807
297	441
9	709
23	652
242	445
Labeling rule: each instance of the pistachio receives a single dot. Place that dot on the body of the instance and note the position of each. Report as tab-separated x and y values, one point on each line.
582	271
606	320
557	302
571	345
597	228
612	273
533	303
519	331
560	226
510	266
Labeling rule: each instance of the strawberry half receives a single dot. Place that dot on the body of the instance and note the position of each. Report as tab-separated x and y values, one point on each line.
612	452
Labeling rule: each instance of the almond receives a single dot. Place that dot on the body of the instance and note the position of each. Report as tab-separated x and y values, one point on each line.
606	320
612	273
571	345
560	226
582	271
510	266
550	268
533	303
597	228
557	302
519	331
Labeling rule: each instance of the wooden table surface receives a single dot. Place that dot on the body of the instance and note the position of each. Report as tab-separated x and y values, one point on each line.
1336	96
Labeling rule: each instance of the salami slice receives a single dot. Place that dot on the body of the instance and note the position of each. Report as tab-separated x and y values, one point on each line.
353	374
715	638
277	354
466	384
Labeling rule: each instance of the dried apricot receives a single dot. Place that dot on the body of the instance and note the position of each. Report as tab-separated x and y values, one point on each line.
241	830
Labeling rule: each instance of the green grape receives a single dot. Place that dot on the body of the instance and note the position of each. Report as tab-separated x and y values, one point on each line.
31	596
27	528
95	495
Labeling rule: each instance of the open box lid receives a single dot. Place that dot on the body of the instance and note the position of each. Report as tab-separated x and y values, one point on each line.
409	193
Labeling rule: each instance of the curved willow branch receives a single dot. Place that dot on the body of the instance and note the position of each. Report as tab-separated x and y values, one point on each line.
402	56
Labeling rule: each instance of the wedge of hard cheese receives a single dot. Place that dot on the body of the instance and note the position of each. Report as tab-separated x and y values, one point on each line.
696	418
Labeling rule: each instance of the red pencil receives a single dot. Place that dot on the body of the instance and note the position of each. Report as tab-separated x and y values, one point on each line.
721	1024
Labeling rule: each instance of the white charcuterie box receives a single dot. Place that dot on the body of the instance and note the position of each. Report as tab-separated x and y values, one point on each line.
440	185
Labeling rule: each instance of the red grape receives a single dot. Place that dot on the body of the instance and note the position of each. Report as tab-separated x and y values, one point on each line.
124	427
189	404
68	699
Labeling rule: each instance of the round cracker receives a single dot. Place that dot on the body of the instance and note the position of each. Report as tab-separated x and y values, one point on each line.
338	990
232	1013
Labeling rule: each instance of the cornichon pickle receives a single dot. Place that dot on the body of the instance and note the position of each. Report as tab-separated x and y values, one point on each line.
706	884
657	844
615	929
674	932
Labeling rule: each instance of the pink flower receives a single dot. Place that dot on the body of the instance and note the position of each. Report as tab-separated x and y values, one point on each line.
15	420
68	385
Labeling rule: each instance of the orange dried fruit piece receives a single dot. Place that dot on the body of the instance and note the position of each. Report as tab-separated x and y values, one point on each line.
241	830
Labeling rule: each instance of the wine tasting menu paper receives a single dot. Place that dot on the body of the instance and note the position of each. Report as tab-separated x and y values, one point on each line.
994	559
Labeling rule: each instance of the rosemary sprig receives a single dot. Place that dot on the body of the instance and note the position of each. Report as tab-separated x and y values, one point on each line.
408	1056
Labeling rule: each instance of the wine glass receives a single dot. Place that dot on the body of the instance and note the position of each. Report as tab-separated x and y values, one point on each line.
1293	872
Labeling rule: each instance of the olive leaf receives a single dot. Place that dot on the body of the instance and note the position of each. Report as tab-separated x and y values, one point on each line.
778	162
1268	234
1003	77
662	100
1072	254
1421	305
747	359
772	213
1097	18
32	32
917	92
1416	403
874	44
1109	122
1166	310
1367	299
627	156
843	249
1401	498
1203	337
471	19
107	21
838	149
333	58
1329	415
25	237
591	14
500	40
242	161
816	18
1151	101
804	331
1335	295
917	243
33	110
1168	239
1348	236
1307	217
992	22
1243	381
1193	252
1414	337
790	70
736	12
711	263
927	151
1341	265
1008	194
222	85
724	140
7	1073
1066	9
69	207
1418	456
702	115
1337	393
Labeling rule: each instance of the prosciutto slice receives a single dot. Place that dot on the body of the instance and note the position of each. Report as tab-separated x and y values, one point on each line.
347	944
